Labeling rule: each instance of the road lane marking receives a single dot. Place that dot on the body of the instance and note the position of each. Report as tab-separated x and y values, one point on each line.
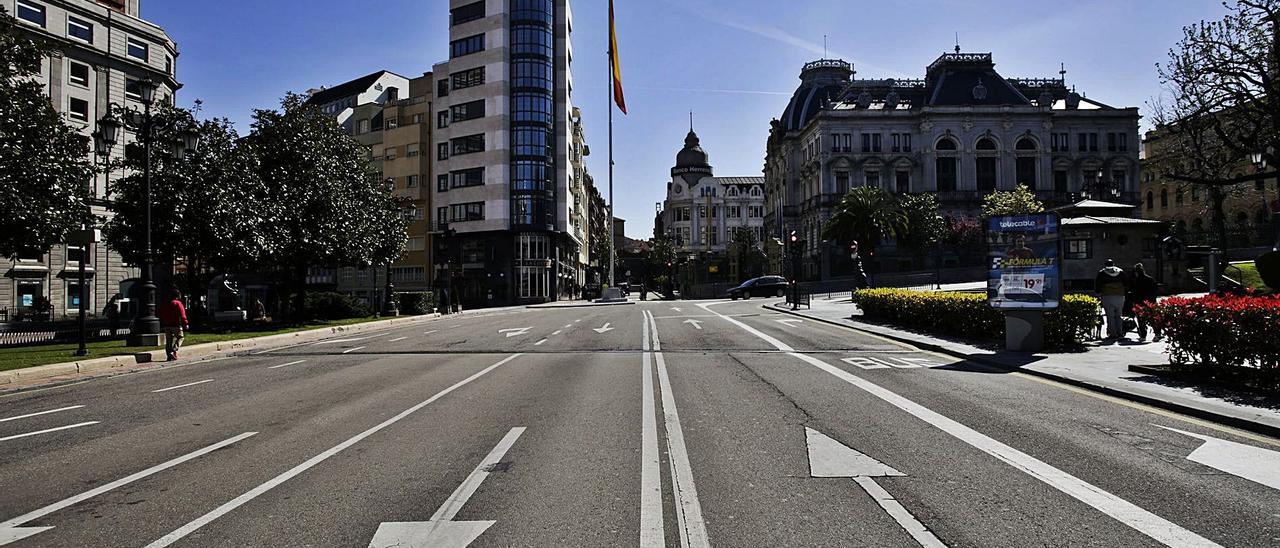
556	332
651	529
239	501
695	323
539	343
789	322
567	326
349	339
41	413
397	339
181	386
515	331
350	350
440	530
67	427
899	513
763	336
429	332
603	329
1252	463
1141	520
10	532
576	321
294	362
693	531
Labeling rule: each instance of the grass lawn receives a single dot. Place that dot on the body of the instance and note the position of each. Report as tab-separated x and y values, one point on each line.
1249	275
28	356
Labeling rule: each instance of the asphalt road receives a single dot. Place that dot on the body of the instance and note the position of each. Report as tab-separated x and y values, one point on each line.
661	423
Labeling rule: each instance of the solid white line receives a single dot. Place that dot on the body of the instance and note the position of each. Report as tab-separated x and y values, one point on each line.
36	514
28	434
40	413
651	529
295	362
891	506
1145	522
350	350
766	338
539	343
469	486
693	531
201	521
181	386
397	339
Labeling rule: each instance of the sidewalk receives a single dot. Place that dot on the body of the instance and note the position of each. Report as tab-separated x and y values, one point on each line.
42	376
1099	367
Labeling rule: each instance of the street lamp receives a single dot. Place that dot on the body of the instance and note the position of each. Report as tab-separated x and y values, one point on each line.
145	326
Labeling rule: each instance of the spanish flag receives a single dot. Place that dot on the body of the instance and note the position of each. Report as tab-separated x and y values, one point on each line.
613	62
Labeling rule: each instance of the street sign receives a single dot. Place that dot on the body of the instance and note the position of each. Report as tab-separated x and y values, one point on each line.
1024	263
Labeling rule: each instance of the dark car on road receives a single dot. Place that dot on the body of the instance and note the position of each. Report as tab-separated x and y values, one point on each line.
764	286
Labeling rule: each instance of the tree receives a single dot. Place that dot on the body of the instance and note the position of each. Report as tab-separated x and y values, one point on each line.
747	250
45	168
1019	201
323	205
924	227
866	215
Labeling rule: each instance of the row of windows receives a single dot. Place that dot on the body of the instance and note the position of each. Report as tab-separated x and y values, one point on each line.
731	211
533	107
457	213
531	210
460	179
532	10
531	175
466	46
461	145
467	13
532	73
468	78
467	111
80	29
1059	142
532	40
534	141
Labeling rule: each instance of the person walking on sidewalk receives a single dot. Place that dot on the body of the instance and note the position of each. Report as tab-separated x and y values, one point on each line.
1142	292
173	318
1110	285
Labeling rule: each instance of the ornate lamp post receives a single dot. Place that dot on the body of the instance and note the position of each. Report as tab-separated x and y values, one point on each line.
145	328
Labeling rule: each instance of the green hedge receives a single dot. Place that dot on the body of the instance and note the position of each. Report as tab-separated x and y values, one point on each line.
334	306
416	303
968	315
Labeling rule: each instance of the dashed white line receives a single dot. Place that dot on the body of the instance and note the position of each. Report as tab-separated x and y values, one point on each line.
29	434
239	501
556	332
429	332
41	413
295	362
350	350
539	343
568	325
397	339
181	386
23	532
576	321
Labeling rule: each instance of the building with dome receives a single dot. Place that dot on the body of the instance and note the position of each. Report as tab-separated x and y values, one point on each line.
960	133
702	211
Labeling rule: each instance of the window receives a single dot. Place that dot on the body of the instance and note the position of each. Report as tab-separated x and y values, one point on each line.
442	183
986	143
417	243
78	74
1079	249
1026	171
411	150
873	179
411	181
1124	142
442	151
946	144
362	126
466	46
133	89
73	295
1178	197
987	176
1026	144
442	214
902	181
468	78
755	211
442	119
467	111
1093	142
1151	200
442	88
682	214
1060	180
390	153
842	182
1082	142
1060	142
418	118
467	13
139	50
467	177
31	12
79	28
75	254
866	142
391	123
906	142
1164	198
467	145
946	172
1119	177
168	65
78	109
471	211
734	212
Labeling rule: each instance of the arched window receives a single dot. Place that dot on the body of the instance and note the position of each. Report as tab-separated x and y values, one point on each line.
1025	143
1164	198
1177	197
946	143
755	191
985	143
1151	200
733	192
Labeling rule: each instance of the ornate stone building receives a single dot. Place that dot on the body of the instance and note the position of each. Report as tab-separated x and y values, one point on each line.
961	132
702	211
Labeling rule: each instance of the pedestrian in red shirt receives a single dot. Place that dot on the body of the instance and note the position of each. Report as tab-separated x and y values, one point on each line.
173	318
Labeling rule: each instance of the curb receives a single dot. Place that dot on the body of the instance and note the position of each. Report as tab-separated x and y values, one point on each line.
1227	420
124	363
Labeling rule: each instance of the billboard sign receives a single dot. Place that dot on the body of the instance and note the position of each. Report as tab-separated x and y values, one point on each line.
1024	262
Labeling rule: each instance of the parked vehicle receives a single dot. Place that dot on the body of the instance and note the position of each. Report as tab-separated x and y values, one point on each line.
764	286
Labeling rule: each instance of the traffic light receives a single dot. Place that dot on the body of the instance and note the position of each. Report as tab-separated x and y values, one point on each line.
794	238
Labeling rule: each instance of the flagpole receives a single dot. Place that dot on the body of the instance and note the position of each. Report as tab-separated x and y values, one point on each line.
609	104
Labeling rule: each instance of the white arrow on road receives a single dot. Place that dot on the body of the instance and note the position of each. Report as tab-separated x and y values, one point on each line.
602	328
440	531
515	331
1249	462
696	324
676	309
829	458
789	322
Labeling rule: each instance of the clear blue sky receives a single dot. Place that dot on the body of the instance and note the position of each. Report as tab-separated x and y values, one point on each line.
733	62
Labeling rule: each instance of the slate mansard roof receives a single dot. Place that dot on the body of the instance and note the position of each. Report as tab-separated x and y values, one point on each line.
954	79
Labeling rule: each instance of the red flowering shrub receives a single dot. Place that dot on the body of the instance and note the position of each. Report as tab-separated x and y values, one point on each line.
1220	331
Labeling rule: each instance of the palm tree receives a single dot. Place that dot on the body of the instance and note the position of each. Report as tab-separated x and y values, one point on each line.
866	215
